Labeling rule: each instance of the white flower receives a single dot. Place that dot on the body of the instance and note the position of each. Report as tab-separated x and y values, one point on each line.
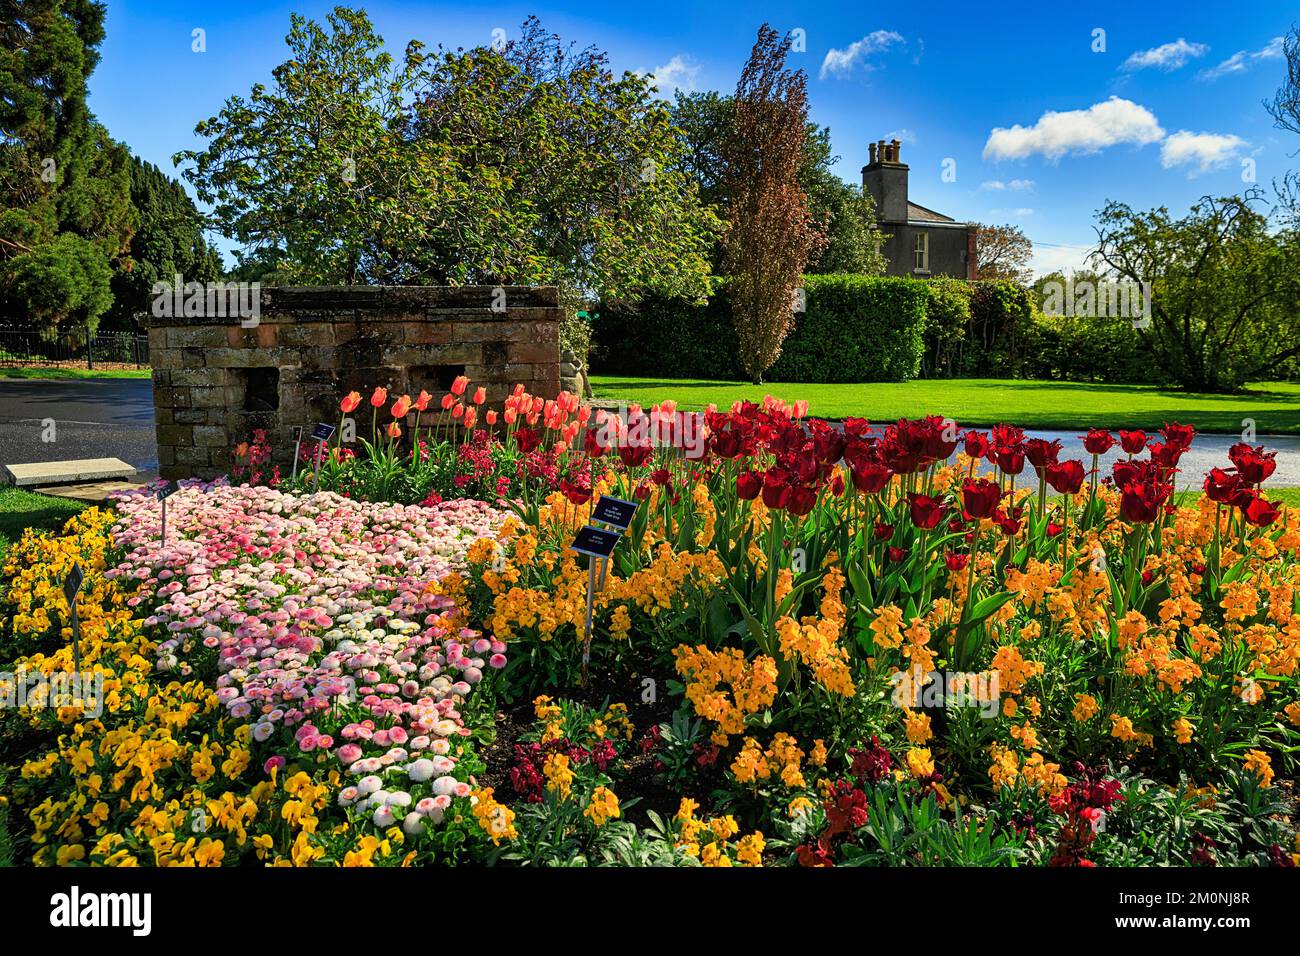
413	824
384	817
368	785
348	796
445	786
399	798
421	770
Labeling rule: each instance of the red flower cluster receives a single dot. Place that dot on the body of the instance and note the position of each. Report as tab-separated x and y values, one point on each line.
1239	486
526	775
1084	804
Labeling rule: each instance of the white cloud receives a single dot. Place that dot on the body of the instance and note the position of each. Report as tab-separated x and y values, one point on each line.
1077	131
1243	60
1167	56
842	62
1204	150
903	135
1023	212
1015	185
677	74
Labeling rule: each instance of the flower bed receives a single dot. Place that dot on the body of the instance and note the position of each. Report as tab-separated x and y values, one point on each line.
815	645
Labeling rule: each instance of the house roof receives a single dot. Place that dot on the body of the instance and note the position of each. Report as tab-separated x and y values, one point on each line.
917	213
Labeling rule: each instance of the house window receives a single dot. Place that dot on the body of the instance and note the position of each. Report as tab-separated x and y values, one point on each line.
922	252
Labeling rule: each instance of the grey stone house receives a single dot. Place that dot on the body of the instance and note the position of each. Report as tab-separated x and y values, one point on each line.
922	242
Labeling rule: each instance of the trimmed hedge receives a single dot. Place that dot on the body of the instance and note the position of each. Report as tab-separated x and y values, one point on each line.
854	329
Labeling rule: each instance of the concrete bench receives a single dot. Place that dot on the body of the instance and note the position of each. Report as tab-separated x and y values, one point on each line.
67	472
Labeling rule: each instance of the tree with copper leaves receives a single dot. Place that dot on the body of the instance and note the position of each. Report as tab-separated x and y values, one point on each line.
771	231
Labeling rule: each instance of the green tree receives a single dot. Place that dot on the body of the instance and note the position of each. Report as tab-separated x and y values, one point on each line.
65	213
168	240
844	212
1225	287
527	163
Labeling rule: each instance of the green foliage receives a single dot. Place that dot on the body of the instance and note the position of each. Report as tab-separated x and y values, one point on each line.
1225	287
168	240
947	317
853	329
847	215
65	211
528	164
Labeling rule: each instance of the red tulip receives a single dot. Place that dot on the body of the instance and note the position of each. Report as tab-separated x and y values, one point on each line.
927	510
379	398
459	384
1010	458
1220	485
977	444
1254	465
869	477
1180	435
955	561
1041	452
980	497
1098	441
1261	513
1066	477
350	402
748	485
1140	502
1132	442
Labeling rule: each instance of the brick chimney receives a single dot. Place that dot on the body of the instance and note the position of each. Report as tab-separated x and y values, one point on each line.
884	179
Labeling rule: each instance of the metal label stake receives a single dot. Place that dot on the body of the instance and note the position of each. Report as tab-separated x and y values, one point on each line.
71	586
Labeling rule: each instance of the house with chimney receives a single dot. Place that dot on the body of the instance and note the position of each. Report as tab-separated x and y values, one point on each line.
921	242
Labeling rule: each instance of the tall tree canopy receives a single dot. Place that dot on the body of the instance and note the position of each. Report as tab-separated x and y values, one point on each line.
844	212
771	231
1225	287
65	213
1003	252
168	240
525	162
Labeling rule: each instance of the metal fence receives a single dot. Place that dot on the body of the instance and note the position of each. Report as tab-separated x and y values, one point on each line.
108	350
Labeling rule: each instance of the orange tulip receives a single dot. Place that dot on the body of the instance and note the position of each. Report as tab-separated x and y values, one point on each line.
480	395
460	384
470	415
448	400
350	402
394	430
422	401
458	411
379	398
491	417
510	416
402	406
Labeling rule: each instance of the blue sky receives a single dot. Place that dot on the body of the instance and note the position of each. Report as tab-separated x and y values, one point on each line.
1038	127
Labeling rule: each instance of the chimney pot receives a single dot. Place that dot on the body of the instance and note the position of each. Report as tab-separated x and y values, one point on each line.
872	151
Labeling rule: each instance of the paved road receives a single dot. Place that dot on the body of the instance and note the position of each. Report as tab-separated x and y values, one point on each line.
98	418
114	418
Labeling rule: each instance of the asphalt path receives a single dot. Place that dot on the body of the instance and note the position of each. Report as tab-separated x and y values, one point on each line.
92	418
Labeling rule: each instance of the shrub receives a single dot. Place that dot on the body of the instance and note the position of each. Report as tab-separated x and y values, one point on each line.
853	329
1087	350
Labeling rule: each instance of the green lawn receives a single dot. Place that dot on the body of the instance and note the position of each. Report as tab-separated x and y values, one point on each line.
25	509
1275	406
63	373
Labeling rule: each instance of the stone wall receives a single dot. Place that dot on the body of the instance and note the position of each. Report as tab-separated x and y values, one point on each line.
216	380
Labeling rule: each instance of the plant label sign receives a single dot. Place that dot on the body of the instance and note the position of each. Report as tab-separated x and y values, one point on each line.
614	511
166	491
72	584
595	542
322	432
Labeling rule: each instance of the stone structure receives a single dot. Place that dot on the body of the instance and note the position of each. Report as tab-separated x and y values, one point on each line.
218	379
922	242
